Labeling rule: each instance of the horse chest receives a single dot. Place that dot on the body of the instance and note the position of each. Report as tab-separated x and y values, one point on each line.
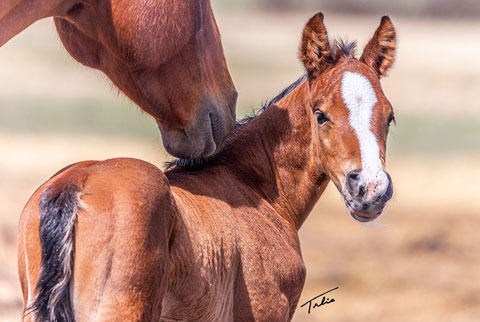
272	278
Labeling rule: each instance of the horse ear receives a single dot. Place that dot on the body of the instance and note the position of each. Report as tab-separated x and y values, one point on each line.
315	50
380	50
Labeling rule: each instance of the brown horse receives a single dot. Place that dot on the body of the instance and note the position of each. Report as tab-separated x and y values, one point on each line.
165	55
120	240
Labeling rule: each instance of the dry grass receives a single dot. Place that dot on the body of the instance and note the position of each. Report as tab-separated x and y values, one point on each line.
420	264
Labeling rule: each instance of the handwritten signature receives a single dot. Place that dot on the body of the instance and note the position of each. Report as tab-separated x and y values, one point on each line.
325	300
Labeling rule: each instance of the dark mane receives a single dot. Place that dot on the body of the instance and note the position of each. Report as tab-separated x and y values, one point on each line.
272	101
197	164
343	48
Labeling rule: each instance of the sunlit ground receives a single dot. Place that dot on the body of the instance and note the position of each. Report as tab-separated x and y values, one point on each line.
419	262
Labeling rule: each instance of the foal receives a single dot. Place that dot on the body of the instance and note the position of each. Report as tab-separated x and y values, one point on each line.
120	240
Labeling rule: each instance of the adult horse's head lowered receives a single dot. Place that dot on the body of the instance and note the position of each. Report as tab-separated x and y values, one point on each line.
216	241
165	55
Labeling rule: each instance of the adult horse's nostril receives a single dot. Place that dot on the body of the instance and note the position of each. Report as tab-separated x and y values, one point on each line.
353	184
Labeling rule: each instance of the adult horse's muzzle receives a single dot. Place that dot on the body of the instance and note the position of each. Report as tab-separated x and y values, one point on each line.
366	200
203	139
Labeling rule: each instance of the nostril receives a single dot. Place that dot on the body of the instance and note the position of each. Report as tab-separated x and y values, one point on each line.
361	191
353	183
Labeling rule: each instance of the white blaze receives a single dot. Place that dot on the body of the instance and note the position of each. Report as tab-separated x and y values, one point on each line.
359	97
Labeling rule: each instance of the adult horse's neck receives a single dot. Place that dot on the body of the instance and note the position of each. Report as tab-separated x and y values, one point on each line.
16	15
275	154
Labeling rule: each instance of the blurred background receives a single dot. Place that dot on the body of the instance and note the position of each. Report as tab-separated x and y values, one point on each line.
418	262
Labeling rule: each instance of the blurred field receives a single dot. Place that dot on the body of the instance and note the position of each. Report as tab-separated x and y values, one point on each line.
419	262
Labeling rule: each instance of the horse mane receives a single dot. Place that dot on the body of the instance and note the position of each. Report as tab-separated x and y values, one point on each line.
272	101
345	48
340	49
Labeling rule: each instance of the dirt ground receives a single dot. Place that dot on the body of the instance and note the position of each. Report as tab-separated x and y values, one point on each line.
418	262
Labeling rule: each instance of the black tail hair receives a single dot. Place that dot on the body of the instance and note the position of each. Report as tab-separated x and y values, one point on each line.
58	211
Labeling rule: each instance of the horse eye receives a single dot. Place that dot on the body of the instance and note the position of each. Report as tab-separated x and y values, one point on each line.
391	119
321	118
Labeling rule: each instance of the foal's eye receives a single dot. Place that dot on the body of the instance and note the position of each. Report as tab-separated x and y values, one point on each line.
321	118
391	119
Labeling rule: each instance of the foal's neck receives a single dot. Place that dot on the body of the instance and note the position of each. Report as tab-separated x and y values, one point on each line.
274	154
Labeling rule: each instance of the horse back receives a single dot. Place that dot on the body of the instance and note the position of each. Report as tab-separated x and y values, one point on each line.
110	214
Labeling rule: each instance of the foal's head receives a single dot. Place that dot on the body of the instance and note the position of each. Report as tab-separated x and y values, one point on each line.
351	114
166	56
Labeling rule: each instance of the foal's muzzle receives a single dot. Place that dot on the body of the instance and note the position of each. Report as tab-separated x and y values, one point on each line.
366	200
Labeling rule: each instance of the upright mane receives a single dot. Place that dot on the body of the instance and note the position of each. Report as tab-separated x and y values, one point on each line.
342	49
270	102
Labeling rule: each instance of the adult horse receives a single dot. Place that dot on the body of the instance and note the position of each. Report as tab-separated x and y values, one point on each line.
165	55
120	240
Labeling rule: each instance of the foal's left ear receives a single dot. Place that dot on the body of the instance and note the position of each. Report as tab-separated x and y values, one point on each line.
380	50
315	50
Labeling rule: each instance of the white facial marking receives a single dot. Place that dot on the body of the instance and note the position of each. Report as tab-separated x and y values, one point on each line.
359	97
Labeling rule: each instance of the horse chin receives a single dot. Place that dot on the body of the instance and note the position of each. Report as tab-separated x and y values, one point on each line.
362	216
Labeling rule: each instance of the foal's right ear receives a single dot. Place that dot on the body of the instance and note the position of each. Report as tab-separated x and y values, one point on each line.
315	51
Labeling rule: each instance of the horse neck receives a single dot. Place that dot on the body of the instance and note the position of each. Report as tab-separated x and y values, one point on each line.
16	15
274	154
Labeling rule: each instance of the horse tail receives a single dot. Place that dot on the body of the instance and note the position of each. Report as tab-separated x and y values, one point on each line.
58	209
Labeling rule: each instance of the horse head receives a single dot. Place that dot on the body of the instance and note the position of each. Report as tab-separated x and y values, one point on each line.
351	115
166	56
